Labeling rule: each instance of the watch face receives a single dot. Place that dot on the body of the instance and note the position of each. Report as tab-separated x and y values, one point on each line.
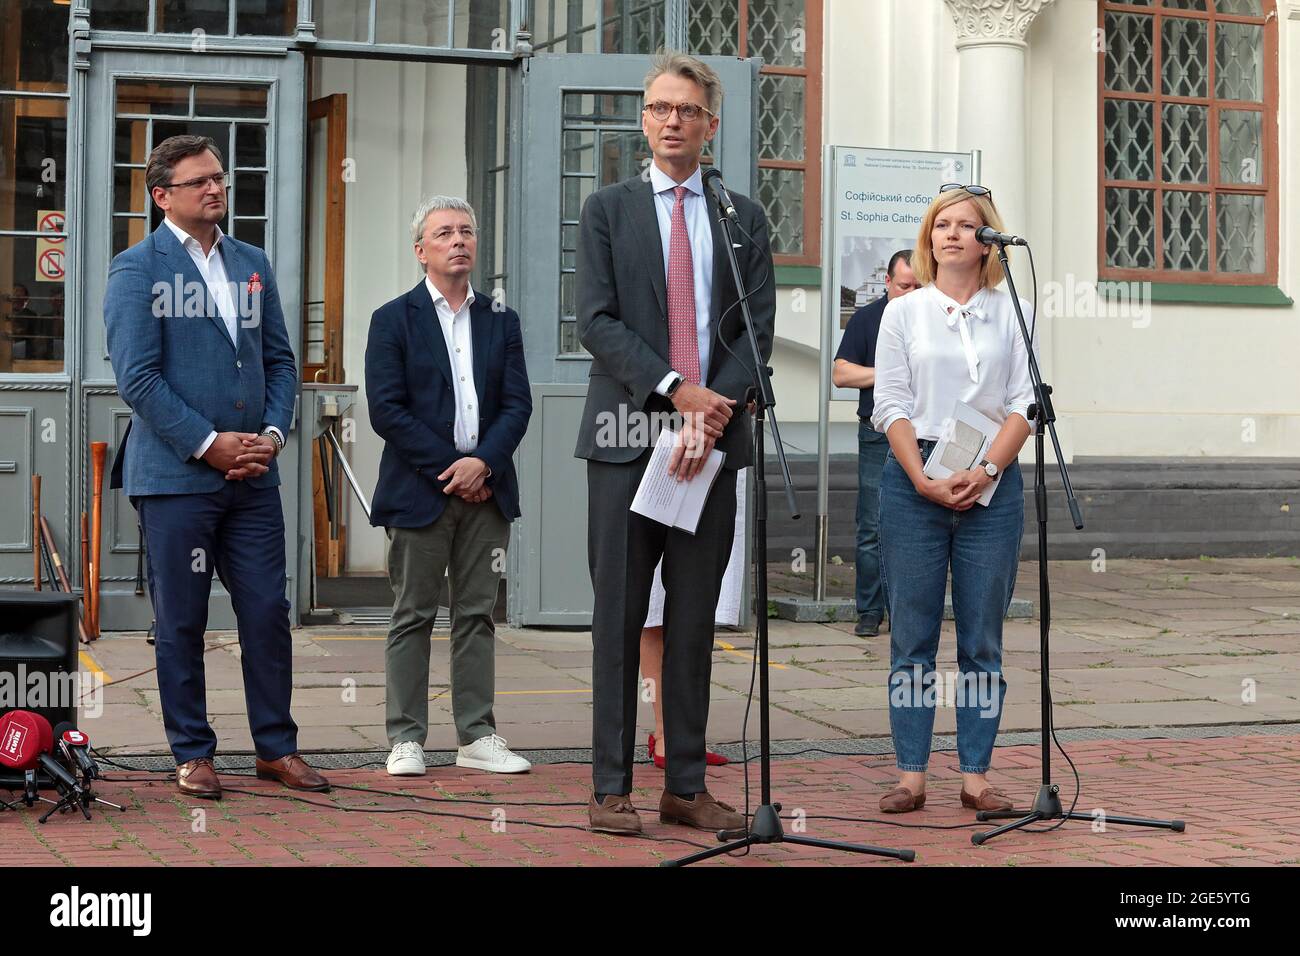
991	470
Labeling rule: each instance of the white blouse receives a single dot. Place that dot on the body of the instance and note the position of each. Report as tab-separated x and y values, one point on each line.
932	352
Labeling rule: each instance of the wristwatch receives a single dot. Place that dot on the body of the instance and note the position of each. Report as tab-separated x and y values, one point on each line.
990	469
674	385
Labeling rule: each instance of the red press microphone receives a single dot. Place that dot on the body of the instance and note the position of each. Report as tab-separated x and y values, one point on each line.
75	747
26	740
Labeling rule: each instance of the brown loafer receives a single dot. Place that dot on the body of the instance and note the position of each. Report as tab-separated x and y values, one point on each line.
901	800
293	772
198	778
614	815
989	799
703	813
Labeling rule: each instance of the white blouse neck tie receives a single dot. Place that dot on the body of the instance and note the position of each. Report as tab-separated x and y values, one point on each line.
958	317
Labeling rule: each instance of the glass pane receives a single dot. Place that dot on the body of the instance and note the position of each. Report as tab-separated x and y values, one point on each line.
622	155
1130	228
1241	233
34	47
1186	4
575	192
275	18
1186	223
129	193
564	26
483	25
1128	52
212	99
250	145
33	147
153	97
412	21
579	151
781	117
1185	130
569	344
633	26
250	194
713	27
569	237
220	132
774	28
622	109
127	231
568	298
1239	61
129	141
186	16
129	15
1241	8
1130	143
345	20
1184	57
31	304
780	192
251	231
1241	152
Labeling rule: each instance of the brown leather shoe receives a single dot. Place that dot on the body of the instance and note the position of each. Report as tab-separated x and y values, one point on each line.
989	799
198	778
902	800
293	772
704	812
614	815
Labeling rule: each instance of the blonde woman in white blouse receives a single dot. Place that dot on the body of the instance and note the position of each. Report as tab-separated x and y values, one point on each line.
954	339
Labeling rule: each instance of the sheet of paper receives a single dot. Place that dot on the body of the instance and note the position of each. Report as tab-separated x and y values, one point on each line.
661	497
964	444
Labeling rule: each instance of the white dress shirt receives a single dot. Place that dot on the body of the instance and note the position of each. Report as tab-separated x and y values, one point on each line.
932	352
212	267
700	233
460	349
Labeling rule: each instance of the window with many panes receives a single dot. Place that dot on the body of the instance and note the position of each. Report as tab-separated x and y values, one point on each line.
787	34
1189	141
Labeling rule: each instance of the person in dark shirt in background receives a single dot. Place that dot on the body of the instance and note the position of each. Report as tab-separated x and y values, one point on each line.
855	367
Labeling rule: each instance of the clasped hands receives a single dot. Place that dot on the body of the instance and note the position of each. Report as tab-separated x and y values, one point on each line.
465	478
241	454
959	491
705	415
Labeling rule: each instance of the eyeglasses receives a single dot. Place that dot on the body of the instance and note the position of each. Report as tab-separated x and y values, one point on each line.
443	235
973	190
217	179
686	112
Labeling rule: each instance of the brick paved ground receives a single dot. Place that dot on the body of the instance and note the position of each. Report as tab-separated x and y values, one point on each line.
1141	644
1239	796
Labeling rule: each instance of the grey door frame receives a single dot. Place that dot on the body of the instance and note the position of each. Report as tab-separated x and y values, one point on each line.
553	526
282	71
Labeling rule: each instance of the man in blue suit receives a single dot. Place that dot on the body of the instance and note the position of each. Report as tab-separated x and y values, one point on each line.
448	391
199	350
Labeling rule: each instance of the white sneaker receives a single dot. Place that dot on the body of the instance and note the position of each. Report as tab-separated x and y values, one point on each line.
491	753
406	760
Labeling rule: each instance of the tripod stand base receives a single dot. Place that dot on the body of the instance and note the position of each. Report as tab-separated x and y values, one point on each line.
766	828
1047	806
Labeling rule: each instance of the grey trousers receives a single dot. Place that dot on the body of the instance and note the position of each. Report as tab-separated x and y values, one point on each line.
468	544
623	549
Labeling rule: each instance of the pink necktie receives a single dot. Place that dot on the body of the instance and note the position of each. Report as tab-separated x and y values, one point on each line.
683	343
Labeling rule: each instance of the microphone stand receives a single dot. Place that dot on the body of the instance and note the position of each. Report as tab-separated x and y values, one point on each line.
766	824
1047	805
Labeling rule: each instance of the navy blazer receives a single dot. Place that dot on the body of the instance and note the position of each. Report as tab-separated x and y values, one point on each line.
179	371
413	405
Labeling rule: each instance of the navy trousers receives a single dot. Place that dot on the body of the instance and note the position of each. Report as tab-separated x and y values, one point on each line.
239	533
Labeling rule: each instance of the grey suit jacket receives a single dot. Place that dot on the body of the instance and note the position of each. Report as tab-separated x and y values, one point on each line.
623	317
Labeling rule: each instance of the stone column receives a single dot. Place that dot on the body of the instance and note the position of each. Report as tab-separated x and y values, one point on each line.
991	98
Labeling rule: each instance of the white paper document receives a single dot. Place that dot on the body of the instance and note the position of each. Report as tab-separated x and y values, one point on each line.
661	497
964	444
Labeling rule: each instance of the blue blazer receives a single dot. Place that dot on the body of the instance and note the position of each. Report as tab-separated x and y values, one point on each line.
178	369
413	405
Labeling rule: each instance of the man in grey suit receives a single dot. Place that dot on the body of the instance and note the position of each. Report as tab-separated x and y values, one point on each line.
657	311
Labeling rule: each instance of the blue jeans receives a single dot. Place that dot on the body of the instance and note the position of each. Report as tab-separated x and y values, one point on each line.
919	539
870	591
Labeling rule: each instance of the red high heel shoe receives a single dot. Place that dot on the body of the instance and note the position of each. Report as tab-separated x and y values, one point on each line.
711	759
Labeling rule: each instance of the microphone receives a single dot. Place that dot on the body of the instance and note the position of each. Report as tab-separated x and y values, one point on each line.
75	745
713	180
990	236
25	744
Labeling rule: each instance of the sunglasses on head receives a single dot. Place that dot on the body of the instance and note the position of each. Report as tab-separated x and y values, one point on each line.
972	190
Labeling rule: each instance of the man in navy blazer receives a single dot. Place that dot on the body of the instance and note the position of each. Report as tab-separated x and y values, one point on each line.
200	352
447	389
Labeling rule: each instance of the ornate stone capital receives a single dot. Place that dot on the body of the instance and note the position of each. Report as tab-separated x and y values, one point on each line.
993	21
